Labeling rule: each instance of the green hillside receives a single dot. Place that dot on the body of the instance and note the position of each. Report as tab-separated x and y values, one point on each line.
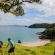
39	25
41	50
50	32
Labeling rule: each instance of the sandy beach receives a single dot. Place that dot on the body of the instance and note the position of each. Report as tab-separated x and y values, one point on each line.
36	43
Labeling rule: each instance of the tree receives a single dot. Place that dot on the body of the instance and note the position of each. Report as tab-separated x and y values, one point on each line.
8	6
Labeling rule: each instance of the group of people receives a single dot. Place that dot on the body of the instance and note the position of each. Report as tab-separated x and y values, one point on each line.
12	47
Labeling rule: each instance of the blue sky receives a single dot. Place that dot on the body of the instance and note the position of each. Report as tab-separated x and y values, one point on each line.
34	13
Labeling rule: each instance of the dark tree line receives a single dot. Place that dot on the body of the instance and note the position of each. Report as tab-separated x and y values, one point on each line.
40	25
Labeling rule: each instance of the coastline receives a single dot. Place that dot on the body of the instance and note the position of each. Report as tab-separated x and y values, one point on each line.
40	42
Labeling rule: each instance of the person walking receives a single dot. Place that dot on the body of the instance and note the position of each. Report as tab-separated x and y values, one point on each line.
1	43
12	47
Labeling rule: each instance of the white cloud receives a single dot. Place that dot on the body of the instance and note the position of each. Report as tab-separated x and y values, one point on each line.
48	6
5	18
30	21
9	19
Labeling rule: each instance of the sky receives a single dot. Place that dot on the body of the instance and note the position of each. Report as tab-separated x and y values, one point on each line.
34	13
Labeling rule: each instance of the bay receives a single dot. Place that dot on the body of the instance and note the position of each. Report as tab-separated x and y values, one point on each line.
22	33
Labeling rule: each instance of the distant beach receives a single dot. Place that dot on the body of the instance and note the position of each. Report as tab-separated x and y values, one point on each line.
36	43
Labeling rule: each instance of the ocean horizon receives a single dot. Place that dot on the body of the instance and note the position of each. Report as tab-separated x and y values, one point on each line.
22	33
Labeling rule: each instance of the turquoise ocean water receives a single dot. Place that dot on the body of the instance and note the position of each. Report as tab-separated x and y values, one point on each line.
22	33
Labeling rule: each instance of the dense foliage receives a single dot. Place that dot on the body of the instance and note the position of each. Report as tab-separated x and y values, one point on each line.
14	6
50	32
40	50
41	25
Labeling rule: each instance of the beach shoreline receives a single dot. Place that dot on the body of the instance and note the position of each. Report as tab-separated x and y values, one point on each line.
40	42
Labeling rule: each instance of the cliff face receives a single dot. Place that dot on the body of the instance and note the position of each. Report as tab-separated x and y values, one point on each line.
42	25
49	33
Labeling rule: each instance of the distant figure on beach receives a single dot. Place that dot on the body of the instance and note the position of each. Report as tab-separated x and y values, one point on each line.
1	43
19	41
12	47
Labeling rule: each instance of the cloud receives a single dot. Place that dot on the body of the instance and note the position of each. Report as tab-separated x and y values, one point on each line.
47	6
5	18
30	21
9	19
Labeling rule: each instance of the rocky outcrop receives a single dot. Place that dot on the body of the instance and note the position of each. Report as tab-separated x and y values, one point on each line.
42	35
19	41
49	33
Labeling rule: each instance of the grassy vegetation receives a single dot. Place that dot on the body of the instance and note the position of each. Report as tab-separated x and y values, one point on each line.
40	50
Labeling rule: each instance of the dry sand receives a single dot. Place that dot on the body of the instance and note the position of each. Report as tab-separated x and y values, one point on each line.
36	43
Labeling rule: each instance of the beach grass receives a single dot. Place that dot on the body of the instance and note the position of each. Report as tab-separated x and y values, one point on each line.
47	49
